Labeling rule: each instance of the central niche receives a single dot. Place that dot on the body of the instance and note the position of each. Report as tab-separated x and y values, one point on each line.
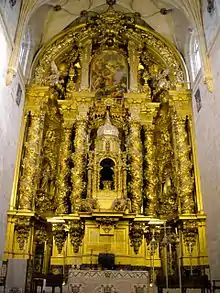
109	74
107	174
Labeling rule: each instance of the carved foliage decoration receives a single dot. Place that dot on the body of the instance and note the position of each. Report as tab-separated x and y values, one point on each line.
22	229
136	233
60	235
76	232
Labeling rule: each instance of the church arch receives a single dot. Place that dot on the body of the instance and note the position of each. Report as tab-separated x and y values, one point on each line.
79	36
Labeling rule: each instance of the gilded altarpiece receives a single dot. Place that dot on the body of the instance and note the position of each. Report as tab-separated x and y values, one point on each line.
107	159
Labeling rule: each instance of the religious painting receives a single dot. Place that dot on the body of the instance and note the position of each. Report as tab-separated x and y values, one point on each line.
109	72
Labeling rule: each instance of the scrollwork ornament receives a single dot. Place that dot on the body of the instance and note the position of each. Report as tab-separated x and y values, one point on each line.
76	232
136	233
60	235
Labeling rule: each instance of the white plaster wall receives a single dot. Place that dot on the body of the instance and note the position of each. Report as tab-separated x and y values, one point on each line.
10	121
211	22
207	123
10	16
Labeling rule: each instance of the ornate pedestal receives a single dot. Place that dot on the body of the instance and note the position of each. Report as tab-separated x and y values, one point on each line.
108	281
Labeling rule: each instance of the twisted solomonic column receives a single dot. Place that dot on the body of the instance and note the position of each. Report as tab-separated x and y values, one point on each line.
64	169
150	171
185	177
79	160
136	166
30	164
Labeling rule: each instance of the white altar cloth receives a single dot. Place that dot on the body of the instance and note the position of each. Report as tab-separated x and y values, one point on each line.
94	281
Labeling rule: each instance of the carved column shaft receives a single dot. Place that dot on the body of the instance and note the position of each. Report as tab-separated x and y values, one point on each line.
64	169
186	179
149	174
79	160
133	63
136	166
30	164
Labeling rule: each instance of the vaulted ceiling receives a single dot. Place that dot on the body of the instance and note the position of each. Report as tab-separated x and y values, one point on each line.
52	16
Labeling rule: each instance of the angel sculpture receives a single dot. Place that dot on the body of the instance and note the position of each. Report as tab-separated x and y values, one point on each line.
163	79
56	79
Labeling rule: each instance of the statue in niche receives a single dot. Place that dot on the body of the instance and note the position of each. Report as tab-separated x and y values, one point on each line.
73	77
46	182
143	77
109	75
159	81
107	175
58	78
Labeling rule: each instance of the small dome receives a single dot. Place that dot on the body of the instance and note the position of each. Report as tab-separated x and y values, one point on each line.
107	129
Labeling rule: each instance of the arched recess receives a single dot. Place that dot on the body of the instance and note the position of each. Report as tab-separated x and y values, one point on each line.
84	35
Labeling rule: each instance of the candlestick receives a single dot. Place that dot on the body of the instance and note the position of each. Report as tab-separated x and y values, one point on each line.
44	285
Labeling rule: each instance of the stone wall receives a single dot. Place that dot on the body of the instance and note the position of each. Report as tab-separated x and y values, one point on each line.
207	124
10	121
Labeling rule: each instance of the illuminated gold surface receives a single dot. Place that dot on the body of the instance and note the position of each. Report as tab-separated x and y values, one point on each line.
60	196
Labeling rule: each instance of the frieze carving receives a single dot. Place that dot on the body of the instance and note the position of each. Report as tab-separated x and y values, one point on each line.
76	232
60	235
22	229
136	233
